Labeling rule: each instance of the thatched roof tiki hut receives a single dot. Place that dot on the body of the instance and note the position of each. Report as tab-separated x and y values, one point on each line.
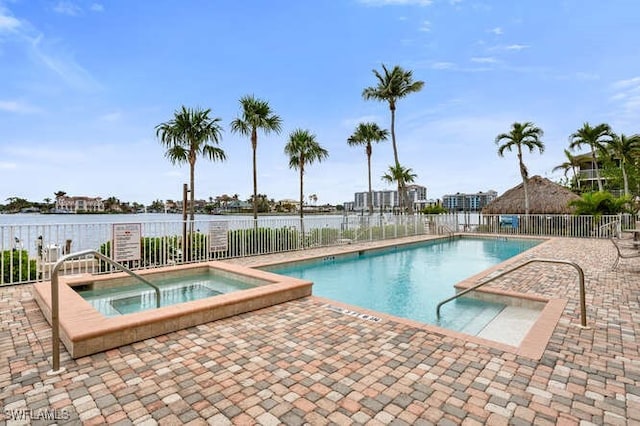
545	198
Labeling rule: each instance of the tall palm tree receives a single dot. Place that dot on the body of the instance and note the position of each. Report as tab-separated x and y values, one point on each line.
303	149
595	138
399	173
624	149
393	85
256	115
365	134
572	163
189	134
521	135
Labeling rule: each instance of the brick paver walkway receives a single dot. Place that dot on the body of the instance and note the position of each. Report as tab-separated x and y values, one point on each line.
300	363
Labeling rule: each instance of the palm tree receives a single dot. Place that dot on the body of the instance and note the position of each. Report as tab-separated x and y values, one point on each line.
256	115
186	136
365	134
572	164
397	174
393	85
303	149
521	134
625	149
595	138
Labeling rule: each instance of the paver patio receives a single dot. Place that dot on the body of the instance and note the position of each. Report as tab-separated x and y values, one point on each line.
300	362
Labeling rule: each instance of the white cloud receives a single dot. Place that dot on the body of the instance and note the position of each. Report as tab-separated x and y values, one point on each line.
623	84
67	8
587	76
484	60
396	2
111	117
97	7
17	107
426	26
63	65
7	166
443	65
496	31
626	100
516	47
8	23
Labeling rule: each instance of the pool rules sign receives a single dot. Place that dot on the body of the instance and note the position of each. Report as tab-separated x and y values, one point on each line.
126	241
218	236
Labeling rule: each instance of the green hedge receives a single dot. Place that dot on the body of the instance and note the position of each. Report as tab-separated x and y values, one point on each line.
16	267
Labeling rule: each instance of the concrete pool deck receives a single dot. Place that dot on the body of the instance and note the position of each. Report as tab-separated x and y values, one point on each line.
299	362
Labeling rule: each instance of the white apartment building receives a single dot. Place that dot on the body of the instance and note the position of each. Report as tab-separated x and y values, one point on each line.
78	204
468	202
388	200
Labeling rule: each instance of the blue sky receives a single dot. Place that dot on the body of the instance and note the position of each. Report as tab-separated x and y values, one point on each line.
84	83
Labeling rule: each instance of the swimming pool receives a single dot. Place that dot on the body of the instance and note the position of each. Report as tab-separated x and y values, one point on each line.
409	281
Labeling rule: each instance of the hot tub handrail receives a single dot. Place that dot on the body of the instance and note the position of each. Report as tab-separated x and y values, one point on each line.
583	304
55	305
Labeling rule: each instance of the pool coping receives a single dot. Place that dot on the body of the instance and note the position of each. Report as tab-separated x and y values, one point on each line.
533	343
85	331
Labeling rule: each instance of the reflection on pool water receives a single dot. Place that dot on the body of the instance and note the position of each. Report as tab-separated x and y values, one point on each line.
409	281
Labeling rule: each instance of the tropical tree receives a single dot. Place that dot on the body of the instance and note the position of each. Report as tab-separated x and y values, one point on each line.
393	85
256	115
521	135
189	134
303	149
572	164
595	138
599	203
625	150
366	134
399	173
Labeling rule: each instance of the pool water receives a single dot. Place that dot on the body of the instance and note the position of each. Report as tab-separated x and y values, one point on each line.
410	281
137	297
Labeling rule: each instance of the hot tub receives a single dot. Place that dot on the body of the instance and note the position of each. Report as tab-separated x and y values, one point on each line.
84	330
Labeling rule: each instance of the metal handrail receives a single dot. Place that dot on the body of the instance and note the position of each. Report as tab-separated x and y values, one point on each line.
450	232
55	305
618	224
583	304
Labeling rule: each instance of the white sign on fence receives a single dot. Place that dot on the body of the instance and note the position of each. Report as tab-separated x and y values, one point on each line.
126	241
218	240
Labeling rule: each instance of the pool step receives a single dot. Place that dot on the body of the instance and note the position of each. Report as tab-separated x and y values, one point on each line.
469	316
511	325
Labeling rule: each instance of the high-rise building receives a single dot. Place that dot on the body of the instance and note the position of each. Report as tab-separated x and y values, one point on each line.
388	200
468	202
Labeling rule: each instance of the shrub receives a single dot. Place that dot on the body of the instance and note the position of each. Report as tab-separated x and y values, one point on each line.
17	267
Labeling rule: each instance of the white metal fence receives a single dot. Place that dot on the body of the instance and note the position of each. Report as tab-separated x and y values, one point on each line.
29	252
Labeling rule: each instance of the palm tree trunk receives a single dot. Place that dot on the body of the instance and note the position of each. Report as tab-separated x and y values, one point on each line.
576	177
523	173
254	145
369	168
191	191
401	195
625	180
301	203
595	165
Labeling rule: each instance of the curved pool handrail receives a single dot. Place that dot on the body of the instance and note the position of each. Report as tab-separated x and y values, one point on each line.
55	305
583	304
